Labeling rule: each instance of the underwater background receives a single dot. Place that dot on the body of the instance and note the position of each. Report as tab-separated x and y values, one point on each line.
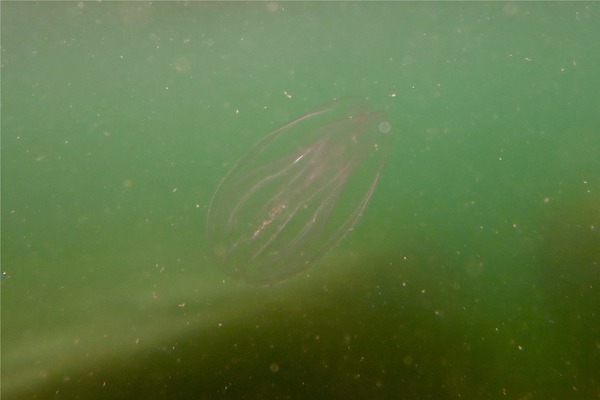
474	272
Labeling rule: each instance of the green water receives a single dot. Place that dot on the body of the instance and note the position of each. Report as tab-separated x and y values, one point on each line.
473	274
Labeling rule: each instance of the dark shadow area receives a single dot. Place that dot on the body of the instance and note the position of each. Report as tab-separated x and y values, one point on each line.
398	328
569	281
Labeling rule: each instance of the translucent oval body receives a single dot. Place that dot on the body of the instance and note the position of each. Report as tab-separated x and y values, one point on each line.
297	192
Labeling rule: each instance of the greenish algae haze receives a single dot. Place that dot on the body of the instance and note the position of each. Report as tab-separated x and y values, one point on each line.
473	273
